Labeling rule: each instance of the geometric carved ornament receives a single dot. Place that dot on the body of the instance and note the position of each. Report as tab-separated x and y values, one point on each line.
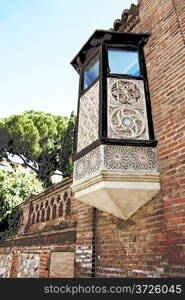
127	117
88	118
125	159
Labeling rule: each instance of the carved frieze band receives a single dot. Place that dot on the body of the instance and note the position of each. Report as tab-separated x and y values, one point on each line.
127	117
116	158
88	117
139	159
88	164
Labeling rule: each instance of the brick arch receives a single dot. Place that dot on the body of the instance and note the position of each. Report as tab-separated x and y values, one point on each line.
54	211
48	213
38	217
60	210
43	215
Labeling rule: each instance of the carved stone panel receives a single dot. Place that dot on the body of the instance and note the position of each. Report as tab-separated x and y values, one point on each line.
127	178
62	265
28	265
127	116
137	159
88	118
5	265
88	164
126	159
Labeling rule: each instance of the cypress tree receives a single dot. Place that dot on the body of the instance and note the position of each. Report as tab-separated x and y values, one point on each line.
67	148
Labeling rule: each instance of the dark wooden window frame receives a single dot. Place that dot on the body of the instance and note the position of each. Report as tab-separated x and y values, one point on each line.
102	51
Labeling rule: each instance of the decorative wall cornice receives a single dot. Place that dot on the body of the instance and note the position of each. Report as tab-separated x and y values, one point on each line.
129	19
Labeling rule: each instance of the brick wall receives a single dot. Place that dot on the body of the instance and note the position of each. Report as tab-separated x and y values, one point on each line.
37	261
41	235
152	242
52	208
166	71
84	241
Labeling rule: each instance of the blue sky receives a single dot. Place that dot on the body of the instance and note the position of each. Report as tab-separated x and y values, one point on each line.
38	39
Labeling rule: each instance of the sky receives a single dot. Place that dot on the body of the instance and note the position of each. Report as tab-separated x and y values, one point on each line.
38	40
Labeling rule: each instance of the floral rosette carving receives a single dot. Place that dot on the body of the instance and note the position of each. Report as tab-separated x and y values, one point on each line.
130	158
127	110
144	159
127	122
126	92
116	157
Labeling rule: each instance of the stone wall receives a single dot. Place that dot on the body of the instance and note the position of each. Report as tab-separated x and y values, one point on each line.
30	254
70	238
5	265
28	265
62	264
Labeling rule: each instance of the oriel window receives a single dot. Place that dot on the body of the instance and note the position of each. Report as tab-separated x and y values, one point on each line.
123	62
91	73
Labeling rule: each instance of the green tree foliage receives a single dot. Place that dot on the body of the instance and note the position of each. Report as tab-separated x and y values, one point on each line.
67	148
15	187
10	225
37	138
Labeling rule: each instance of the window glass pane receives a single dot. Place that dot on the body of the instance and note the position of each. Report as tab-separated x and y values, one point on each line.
91	73
123	62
